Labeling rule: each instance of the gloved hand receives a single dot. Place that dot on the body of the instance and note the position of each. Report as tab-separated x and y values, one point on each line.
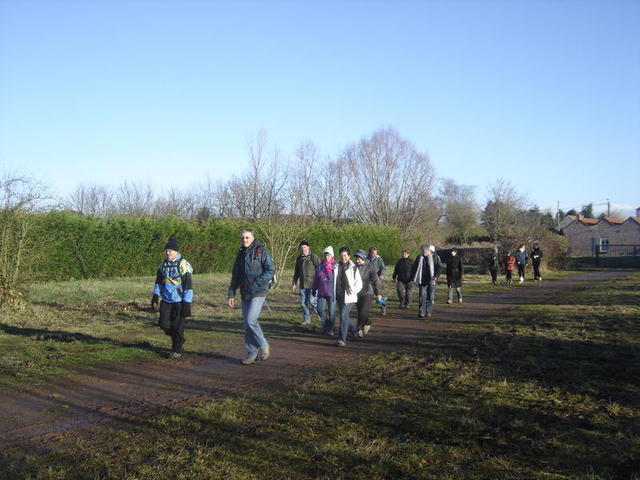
155	299
186	309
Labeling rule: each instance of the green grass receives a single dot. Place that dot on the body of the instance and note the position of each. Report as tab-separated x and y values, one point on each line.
540	392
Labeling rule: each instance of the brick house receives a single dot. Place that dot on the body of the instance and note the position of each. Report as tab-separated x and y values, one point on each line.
585	234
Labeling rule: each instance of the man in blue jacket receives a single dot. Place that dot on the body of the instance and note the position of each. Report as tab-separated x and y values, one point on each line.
253	272
174	287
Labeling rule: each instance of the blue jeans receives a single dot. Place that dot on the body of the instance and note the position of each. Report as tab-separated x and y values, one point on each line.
307	300
427	297
328	318
346	323
253	336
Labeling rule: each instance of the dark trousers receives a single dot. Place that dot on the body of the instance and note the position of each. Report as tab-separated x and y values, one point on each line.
363	305
509	275
405	292
172	322
494	274
521	270
536	270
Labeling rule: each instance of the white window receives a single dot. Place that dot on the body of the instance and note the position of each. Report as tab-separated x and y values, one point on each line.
604	244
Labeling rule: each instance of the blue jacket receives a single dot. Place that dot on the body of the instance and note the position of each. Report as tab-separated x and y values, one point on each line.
253	271
173	281
522	257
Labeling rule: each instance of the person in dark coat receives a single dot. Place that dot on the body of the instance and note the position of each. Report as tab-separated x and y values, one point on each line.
253	272
370	287
522	259
455	272
174	287
536	260
494	264
303	273
402	278
425	272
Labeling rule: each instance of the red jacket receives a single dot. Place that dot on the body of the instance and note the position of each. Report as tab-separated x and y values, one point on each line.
509	262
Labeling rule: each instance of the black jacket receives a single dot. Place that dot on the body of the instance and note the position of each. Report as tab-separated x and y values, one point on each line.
455	269
402	271
536	256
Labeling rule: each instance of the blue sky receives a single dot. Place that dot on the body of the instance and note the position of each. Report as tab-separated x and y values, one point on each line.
545	94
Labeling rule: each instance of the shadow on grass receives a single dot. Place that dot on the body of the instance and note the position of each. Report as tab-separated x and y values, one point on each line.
70	337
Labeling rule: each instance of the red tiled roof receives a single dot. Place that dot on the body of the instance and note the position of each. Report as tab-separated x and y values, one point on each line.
635	219
589	221
615	221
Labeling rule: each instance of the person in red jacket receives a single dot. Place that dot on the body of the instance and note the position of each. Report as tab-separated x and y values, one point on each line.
509	264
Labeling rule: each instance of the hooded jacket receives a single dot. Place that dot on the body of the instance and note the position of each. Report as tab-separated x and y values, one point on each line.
173	281
252	272
322	281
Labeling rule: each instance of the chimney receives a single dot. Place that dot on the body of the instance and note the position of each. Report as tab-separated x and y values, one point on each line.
580	216
638	212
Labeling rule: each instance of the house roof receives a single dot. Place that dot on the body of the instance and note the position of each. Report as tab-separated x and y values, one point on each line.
588	221
635	219
614	221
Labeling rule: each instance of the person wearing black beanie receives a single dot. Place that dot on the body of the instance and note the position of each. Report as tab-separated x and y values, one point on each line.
174	287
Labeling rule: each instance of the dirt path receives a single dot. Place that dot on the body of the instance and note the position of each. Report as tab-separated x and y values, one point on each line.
36	418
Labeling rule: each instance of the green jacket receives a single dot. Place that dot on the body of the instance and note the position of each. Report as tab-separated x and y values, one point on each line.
305	269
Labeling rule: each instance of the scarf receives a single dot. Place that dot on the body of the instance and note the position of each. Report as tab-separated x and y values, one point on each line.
418	278
343	277
328	266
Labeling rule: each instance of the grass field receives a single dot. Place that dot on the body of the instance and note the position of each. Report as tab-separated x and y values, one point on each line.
542	392
66	325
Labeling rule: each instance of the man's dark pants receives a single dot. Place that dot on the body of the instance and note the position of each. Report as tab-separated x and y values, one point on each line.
172	322
363	305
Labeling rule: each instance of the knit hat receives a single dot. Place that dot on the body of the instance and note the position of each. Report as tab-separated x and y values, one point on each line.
424	247
361	253
432	248
172	244
303	242
328	250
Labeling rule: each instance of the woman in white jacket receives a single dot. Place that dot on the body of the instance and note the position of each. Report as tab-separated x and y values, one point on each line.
346	285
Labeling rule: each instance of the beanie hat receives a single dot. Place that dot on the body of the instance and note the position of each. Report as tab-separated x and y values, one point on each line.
361	253
424	247
432	248
328	250
172	244
304	242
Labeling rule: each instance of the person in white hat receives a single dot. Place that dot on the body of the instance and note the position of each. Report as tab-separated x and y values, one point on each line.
322	288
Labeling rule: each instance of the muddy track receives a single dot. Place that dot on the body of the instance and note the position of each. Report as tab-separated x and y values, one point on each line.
126	395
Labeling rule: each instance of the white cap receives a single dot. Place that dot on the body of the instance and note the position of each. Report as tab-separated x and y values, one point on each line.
432	248
328	250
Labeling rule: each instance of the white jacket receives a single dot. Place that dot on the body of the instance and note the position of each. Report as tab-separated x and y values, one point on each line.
355	282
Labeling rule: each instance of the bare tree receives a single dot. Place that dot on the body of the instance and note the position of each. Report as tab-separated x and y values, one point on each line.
392	181
503	211
259	191
458	206
319	188
90	199
134	199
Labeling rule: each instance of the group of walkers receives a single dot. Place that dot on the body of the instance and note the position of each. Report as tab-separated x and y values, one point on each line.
520	261
329	287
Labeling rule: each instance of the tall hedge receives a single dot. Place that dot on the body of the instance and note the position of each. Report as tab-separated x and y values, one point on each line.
69	245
